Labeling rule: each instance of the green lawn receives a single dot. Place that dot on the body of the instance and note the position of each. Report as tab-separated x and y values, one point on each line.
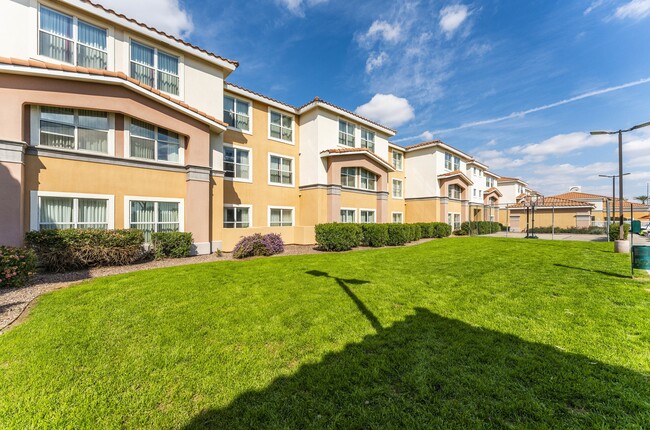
455	333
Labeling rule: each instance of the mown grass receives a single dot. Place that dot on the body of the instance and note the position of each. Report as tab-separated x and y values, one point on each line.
455	333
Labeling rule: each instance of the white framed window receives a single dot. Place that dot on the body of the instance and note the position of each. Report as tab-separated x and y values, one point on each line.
237	163
367	180
281	216
155	68
398	218
237	113
398	192
280	126
150	142
368	139
456	163
70	40
73	129
367	216
153	214
453	191
349	177
451	162
237	216
489	182
280	170
356	177
348	215
453	219
346	133
398	160
52	210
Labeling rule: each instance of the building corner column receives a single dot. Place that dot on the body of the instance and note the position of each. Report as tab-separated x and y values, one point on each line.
382	207
197	208
464	211
12	193
444	210
333	203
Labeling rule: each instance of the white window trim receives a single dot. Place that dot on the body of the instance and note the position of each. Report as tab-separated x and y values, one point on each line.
129	199
250	113
356	134
374	211
395	213
250	215
453	214
181	66
401	188
356	218
357	180
402	168
127	145
293	170
293	215
110	37
293	127
35	131
250	163
374	138
35	210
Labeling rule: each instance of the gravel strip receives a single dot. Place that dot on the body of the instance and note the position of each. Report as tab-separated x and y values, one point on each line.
14	301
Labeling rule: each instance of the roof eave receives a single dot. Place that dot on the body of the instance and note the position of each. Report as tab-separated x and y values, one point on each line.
332	108
369	154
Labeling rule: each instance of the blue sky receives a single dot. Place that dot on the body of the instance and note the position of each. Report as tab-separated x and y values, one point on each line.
517	84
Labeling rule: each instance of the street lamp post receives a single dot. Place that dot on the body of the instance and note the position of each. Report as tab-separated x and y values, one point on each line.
613	192
621	232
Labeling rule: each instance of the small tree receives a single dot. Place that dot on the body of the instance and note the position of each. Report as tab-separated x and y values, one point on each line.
642	199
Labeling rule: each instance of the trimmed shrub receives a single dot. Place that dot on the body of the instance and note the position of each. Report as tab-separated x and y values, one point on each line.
258	245
614	231
171	244
375	235
415	232
572	230
73	249
338	237
398	234
427	229
480	227
16	266
441	229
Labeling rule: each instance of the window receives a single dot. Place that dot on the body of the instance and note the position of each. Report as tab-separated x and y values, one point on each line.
280	170
154	216
236	113
349	177
368	140
346	133
367	216
71	212
367	180
489	182
453	219
397	189
398	217
453	191
356	177
236	217
451	162
281	127
280	217
456	163
76	129
56	39
149	142
236	163
155	68
398	160
348	215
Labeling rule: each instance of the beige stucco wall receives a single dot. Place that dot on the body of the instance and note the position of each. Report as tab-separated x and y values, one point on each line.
564	217
423	211
12	203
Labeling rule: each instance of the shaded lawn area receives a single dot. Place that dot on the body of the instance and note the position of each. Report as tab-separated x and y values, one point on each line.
456	333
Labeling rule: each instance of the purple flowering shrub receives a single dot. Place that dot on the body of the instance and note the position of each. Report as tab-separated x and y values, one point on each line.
258	245
16	265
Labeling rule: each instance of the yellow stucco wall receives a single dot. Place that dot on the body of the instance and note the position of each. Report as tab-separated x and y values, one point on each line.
423	211
352	200
564	218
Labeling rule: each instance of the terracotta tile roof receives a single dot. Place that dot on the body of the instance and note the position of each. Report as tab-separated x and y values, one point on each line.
97	72
454	173
554	202
440	142
319	100
160	32
261	95
346	150
492	190
463	176
507	179
589	196
418	145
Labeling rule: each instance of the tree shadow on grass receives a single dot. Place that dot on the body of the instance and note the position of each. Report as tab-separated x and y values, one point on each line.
429	371
602	272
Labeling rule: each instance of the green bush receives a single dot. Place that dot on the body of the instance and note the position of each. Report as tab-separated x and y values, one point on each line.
441	229
338	237
259	245
16	266
375	235
571	230
398	234
614	231
415	232
480	227
427	229
171	244
72	249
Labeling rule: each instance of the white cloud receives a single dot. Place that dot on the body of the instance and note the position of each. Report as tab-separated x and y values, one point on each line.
563	144
451	17
166	15
634	9
387	109
426	135
297	7
375	61
593	6
383	30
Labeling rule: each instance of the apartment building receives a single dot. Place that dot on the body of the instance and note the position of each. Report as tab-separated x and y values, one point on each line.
107	122
631	210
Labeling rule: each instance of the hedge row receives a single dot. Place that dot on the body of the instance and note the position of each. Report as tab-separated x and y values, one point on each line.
479	227
571	230
16	265
343	237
